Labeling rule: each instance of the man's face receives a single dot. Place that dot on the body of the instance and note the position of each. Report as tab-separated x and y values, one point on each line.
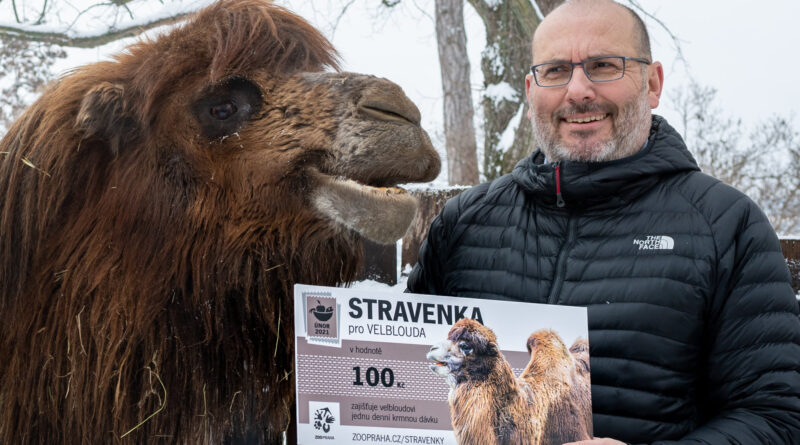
584	120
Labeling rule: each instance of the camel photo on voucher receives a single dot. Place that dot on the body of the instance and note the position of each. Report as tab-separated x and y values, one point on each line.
548	403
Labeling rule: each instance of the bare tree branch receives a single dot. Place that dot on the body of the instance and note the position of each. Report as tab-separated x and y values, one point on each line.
124	5
16	14
41	16
676	42
422	11
81	13
761	162
90	41
339	17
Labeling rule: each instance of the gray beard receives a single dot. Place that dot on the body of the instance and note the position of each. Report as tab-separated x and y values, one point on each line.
631	127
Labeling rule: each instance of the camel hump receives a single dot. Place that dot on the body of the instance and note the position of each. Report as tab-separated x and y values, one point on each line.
547	339
580	350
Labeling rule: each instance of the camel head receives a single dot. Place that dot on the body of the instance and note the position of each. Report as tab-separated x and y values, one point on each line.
228	142
234	113
469	354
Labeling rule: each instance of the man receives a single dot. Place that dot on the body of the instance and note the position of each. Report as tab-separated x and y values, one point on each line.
693	326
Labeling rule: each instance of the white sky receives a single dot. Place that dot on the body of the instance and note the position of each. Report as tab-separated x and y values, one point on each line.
720	40
748	53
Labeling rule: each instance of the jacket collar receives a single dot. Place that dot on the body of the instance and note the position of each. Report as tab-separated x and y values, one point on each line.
607	184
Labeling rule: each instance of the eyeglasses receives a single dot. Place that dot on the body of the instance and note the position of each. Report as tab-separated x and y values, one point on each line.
597	69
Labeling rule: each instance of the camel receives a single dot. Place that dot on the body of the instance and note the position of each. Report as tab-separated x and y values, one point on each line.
550	403
156	211
560	381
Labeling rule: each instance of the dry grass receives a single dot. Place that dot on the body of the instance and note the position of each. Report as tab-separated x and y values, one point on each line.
161	408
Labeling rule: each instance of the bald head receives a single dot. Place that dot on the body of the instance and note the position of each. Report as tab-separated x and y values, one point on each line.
585	119
592	8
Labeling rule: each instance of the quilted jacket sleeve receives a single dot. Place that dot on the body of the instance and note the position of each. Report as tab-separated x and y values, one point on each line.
423	278
426	276
751	380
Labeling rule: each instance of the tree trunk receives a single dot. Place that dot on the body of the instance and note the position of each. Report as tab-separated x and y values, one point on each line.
506	60
546	6
459	131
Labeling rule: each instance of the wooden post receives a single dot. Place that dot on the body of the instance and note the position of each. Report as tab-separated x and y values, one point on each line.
431	202
380	263
791	251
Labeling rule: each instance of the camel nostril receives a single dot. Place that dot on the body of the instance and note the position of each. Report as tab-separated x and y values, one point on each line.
391	111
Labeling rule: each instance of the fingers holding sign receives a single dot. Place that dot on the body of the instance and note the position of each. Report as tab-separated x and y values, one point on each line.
597	441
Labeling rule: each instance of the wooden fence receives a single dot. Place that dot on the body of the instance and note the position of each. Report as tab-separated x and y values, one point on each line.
381	261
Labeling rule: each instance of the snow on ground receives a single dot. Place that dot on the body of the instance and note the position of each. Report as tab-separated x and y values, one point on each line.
374	285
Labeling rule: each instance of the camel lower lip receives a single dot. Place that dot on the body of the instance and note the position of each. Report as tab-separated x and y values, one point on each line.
381	214
378	191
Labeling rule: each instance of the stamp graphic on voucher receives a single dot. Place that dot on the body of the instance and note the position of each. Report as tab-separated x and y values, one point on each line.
377	366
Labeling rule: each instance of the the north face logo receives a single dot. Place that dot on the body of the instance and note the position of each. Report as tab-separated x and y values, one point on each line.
657	242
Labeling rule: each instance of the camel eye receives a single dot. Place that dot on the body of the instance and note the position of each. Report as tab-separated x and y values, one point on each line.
465	347
223	111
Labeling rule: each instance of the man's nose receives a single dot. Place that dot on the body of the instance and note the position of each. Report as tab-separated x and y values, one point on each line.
580	89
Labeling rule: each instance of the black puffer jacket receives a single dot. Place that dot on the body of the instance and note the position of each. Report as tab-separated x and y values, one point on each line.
693	326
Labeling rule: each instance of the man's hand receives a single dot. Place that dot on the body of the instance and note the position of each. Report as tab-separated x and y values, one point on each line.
596	441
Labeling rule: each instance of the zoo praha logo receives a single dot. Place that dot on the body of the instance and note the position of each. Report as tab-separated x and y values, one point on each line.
323	418
657	242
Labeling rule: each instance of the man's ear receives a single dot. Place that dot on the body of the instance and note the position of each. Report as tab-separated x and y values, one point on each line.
103	117
528	86
655	83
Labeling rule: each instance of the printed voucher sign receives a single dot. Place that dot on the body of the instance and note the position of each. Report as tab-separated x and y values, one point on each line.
391	367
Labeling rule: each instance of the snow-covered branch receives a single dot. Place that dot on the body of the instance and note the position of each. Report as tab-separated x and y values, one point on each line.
89	23
89	41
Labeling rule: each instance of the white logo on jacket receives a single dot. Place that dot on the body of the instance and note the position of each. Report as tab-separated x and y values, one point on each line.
655	242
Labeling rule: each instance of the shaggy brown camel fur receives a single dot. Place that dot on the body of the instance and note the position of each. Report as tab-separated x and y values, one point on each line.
489	405
156	211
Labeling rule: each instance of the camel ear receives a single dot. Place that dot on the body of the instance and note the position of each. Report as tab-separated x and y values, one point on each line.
103	117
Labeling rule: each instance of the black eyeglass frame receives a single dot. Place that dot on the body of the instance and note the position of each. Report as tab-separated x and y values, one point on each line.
582	64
